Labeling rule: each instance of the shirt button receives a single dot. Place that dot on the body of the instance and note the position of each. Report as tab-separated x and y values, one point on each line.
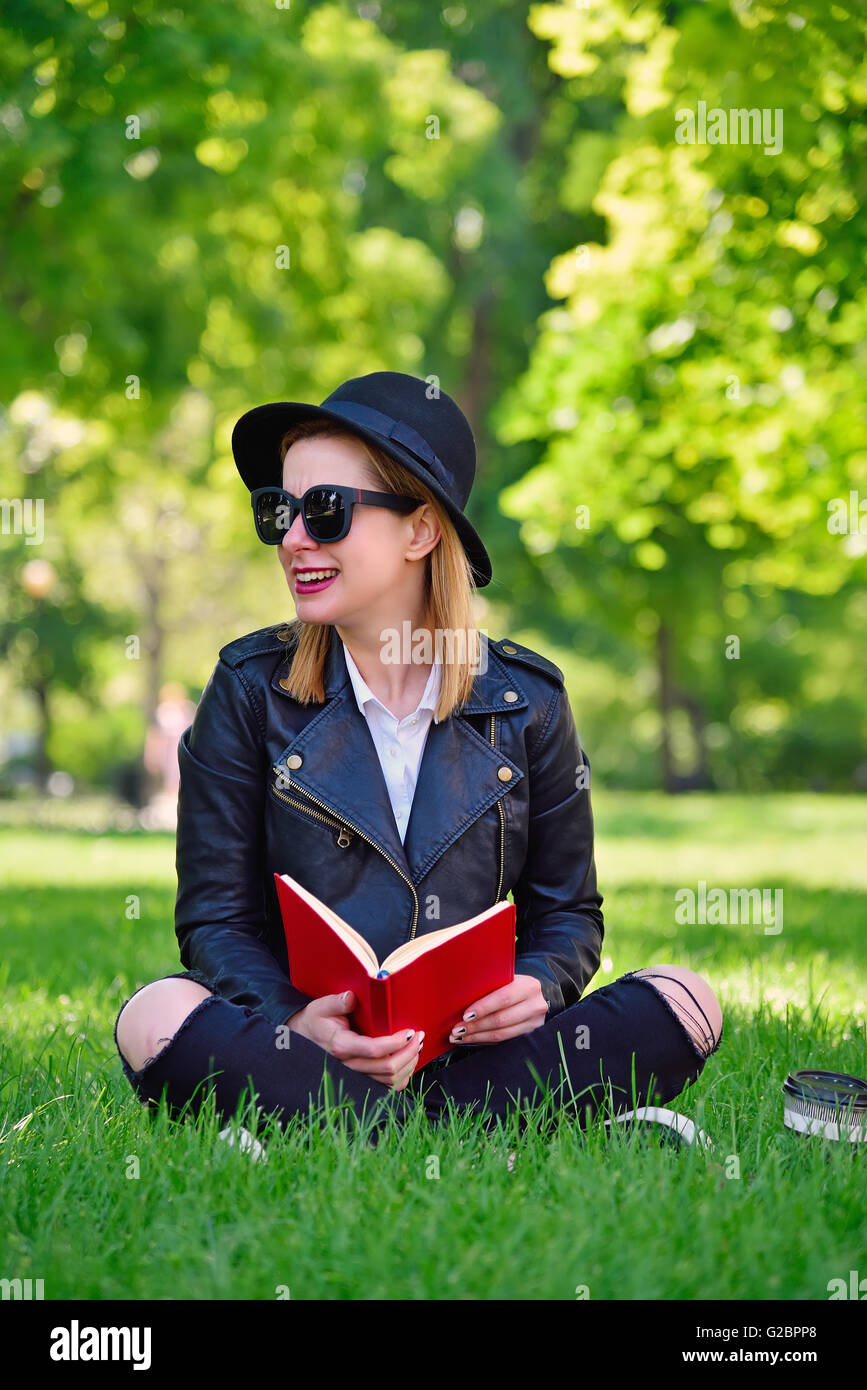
414	720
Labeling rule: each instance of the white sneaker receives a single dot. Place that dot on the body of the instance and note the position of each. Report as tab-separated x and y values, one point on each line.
669	1126
248	1143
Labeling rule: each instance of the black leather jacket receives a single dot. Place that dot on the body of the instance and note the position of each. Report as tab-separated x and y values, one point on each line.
501	804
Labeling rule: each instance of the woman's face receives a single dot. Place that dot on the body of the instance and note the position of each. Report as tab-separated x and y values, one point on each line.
379	564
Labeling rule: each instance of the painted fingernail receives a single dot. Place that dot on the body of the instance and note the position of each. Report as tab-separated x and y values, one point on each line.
410	1035
469	1016
459	1031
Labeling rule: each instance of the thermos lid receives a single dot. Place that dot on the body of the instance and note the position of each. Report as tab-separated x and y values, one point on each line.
828	1103
832	1087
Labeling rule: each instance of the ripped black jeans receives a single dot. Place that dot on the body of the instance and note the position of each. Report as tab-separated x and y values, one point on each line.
621	1046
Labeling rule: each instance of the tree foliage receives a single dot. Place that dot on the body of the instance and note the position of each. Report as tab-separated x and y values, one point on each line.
213	206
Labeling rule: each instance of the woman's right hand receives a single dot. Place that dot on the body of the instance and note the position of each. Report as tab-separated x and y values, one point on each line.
390	1060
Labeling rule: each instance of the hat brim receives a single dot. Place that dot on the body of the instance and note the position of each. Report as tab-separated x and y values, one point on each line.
256	449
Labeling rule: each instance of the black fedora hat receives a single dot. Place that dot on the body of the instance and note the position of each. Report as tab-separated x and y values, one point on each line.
431	437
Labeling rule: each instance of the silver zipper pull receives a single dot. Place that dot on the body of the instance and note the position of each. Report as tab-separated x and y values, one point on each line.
344	838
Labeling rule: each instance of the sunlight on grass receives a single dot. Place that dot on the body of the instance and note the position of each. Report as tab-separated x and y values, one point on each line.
103	1200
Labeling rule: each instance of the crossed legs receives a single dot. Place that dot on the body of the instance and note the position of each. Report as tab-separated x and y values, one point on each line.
160	1015
149	1021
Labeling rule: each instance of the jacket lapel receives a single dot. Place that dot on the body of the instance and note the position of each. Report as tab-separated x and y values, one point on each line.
457	779
457	783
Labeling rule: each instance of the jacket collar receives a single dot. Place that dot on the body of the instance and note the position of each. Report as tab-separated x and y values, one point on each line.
363	692
489	686
458	776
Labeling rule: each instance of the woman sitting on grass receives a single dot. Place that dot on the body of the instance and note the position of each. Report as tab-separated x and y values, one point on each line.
407	795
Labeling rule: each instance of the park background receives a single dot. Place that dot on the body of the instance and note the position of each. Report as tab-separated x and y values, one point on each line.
660	347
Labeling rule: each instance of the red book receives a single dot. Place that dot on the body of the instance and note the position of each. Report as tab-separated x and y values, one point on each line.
424	984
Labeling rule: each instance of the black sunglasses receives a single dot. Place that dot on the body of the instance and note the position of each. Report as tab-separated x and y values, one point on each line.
327	511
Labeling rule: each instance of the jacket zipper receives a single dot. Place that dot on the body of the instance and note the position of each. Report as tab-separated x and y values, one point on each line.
502	826
345	829
344	838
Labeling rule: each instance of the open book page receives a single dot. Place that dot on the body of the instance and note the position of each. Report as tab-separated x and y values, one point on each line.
410	950
402	955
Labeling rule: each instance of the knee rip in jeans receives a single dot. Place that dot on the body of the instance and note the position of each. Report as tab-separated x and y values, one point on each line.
169	1042
682	1014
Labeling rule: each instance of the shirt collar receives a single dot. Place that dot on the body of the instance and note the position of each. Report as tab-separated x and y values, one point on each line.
363	692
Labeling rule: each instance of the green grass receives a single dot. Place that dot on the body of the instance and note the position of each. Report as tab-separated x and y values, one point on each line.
330	1217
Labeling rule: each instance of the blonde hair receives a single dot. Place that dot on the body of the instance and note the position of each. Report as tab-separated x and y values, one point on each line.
449	586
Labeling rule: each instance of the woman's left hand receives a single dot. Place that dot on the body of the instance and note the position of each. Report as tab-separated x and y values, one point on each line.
506	1013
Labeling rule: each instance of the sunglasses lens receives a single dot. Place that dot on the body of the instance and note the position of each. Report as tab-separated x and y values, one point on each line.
273	517
325	513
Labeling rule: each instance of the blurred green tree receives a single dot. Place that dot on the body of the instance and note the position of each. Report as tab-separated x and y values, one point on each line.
699	393
214	206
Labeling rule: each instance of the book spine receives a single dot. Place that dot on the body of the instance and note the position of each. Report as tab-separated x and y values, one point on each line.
380	1006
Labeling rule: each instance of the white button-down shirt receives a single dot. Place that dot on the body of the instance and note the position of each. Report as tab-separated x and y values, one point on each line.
399	743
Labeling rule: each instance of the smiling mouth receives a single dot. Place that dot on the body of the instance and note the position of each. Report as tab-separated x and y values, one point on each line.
309	581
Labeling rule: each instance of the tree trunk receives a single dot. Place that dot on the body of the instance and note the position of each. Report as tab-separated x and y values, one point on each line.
151	570
43	762
665	694
700	777
672	697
